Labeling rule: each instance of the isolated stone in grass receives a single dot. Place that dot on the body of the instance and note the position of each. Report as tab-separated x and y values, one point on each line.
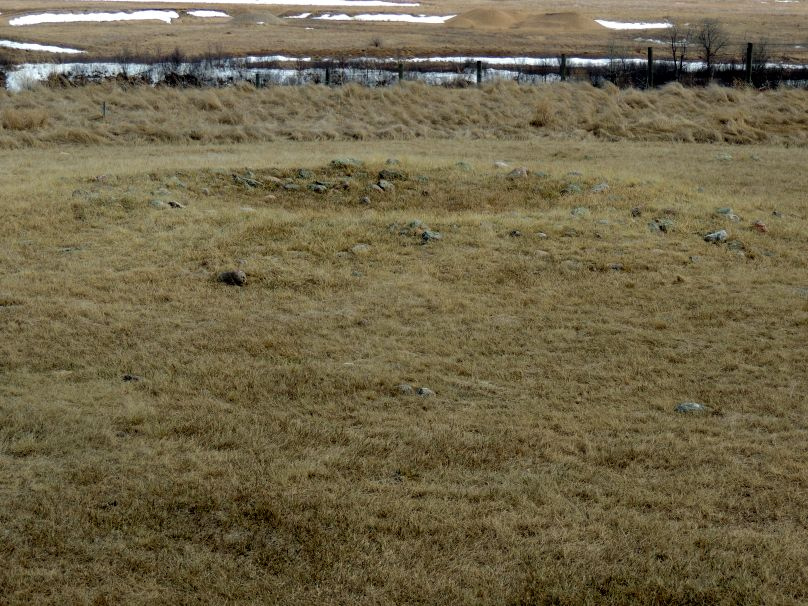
716	236
392	162
579	211
463	166
760	226
291	186
661	225
428	236
392	175
571	188
342	163
247	180
636	211
365	200
175	204
616	267
518	173
158	204
515	233
500	164
131	378
600	187
425	392
305	173
776	213
235	277
575	173
385	185
736	245
405	389
318	188
723	157
690	408
725	210
175	182
360	249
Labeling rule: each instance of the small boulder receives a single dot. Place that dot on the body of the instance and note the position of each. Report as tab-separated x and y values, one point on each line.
405	389
515	233
690	408
235	277
579	211
130	378
360	249
392	175
425	392
158	204
318	188
364	200
386	186
291	186
518	173
600	187
571	188
500	164
760	226
429	235
305	173
175	204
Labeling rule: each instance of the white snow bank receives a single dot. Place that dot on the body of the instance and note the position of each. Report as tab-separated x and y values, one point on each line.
623	25
207	14
383	17
165	16
38	47
339	3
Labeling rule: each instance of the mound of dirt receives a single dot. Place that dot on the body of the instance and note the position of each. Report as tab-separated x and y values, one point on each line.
484	18
255	17
568	21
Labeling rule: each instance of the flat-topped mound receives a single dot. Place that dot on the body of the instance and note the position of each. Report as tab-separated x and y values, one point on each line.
485	18
566	21
257	17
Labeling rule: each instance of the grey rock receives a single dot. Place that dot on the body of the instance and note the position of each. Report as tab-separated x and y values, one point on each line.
305	173
360	249
385	185
776	213
690	408
235	277
616	267
541	235
365	200
376	187
579	211
723	157
428	236
425	392
726	210
130	378
736	245
716	236
175	204
518	173
500	164
343	163
600	187
574	173
695	258
392	162
175	182
158	204
571	188
661	225
515	233
734	218
291	186
463	166
318	188
405	389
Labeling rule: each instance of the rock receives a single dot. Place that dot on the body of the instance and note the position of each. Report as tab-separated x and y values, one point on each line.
716	236
422	179
574	173
734	218
360	249
736	245
305	173
158	204
616	267
247	209
376	187
760	226
571	188
515	233
542	253
318	188
661	225
291	186
579	211
235	277
570	232
175	182
392	175
690	408
129	378
357	274
603	222
518	173
175	204
500	164
365	200
345	184
392	162
247	180
386	185
541	235
726	210
723	157
204	191
405	389
428	236
695	258
425	392
463	166
600	187
776	213
270	197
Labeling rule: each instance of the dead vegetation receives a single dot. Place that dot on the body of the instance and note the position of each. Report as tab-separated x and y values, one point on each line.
44	116
168	438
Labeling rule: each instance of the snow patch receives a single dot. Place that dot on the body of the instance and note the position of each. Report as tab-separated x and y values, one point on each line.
382	17
623	25
44	48
207	14
165	16
337	3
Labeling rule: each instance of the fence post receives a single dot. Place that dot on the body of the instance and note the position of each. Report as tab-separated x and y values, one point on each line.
650	67
749	63
103	109
257	80
563	67
327	76
479	72
400	73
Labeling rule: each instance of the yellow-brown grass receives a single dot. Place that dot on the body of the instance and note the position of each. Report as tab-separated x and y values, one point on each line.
414	111
266	457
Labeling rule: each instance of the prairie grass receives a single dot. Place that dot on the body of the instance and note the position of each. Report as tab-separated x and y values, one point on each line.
266	456
414	111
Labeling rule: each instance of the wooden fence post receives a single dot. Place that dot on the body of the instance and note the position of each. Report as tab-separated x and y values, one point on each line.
328	76
479	72
650	67
563	67
400	73
749	63
103	109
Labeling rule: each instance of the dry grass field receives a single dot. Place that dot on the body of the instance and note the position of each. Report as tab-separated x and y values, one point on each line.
264	453
504	27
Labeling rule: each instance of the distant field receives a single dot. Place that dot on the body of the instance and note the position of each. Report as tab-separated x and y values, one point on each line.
166	438
502	28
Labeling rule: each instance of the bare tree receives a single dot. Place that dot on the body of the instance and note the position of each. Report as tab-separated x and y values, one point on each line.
679	39
712	39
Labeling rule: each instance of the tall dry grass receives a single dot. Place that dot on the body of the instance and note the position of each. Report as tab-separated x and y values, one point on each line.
315	113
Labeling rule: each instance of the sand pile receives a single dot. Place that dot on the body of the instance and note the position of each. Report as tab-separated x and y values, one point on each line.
484	18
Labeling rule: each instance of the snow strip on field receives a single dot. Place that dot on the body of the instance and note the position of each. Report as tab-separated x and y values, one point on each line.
387	17
338	3
38	47
205	14
165	16
622	25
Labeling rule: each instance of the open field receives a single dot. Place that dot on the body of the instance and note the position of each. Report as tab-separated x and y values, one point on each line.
266	454
509	27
